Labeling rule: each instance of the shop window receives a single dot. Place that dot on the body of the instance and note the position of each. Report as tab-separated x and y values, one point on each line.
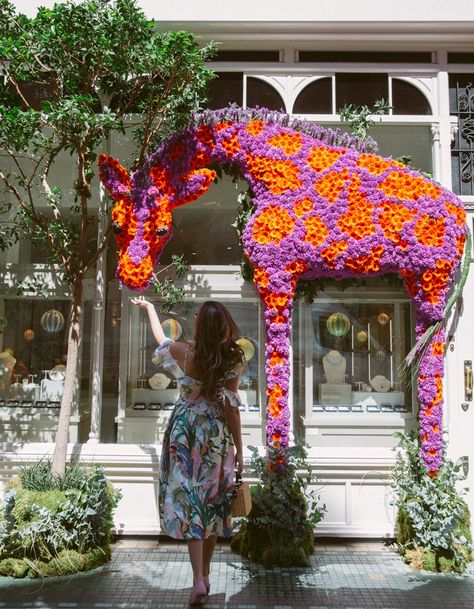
261	93
407	99
360	89
316	98
203	230
401	140
461	99
226	89
349	353
153	389
34	350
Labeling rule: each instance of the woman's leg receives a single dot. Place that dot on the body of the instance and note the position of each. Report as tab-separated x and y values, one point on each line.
208	550
195	549
198	593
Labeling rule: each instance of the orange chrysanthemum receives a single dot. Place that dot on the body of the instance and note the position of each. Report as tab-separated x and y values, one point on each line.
231	145
316	231
302	207
321	158
255	127
278	176
405	186
261	277
430	231
358	220
272	225
437	348
333	251
391	221
290	143
331	185
458	212
367	264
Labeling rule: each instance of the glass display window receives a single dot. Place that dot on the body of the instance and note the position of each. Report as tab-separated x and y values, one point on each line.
152	388
347	358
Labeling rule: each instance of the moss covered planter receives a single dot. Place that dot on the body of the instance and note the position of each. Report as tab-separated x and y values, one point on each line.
278	531
53	526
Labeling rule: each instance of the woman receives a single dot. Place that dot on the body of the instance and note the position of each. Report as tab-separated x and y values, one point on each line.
198	459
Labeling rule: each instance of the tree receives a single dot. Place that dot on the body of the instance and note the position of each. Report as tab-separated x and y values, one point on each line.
74	75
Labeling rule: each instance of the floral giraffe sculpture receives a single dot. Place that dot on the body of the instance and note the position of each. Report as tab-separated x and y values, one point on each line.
323	207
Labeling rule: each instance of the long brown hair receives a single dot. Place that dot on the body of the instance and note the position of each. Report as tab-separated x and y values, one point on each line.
215	349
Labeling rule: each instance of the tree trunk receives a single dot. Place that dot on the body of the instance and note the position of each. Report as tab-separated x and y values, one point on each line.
62	434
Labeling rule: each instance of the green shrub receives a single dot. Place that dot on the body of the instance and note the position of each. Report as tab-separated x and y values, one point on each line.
279	529
60	530
433	519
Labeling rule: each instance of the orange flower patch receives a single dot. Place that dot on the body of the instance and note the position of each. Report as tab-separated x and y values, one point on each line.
290	143
430	231
231	145
373	163
358	220
460	241
260	277
330	185
321	158
434	281
332	252
276	301
410	280
123	217
205	135
272	225
220	126
159	216
391	221
302	207
437	348
161	179
135	275
255	127
273	396
458	212
366	264
298	267
316	231
278	176
201	159
405	186
276	359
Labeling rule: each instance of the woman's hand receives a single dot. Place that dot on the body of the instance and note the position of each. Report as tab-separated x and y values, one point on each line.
239	462
141	302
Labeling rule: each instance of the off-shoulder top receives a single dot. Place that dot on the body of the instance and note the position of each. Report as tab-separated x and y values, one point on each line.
189	387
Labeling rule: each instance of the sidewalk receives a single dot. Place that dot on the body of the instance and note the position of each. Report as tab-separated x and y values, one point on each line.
145	575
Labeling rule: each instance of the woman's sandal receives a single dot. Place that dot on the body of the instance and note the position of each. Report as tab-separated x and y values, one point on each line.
198	594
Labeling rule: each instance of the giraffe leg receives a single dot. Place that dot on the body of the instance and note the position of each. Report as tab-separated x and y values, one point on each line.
277	292
429	383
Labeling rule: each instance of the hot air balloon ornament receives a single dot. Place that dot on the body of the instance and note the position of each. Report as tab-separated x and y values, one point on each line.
52	321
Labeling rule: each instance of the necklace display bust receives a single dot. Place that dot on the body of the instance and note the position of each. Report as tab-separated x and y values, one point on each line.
334	364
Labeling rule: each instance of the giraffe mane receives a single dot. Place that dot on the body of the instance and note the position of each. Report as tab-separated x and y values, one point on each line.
332	137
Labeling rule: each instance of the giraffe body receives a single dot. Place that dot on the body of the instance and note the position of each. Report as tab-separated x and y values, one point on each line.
321	210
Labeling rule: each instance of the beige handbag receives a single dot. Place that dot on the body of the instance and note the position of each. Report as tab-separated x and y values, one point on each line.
242	500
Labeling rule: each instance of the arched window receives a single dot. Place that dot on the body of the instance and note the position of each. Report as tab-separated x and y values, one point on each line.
261	93
316	98
360	89
407	99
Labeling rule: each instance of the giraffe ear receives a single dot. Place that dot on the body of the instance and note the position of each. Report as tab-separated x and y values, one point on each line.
195	184
113	176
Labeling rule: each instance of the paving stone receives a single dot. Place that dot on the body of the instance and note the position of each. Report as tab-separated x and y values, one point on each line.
148	576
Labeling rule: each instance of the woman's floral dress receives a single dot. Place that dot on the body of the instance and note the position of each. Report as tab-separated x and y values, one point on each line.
197	460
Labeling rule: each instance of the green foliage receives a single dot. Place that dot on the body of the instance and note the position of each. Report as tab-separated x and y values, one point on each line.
75	74
279	529
360	117
166	289
432	515
60	529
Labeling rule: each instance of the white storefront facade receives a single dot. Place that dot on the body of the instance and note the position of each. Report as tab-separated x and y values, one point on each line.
305	60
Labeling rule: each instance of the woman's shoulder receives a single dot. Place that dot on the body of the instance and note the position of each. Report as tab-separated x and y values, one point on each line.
179	348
